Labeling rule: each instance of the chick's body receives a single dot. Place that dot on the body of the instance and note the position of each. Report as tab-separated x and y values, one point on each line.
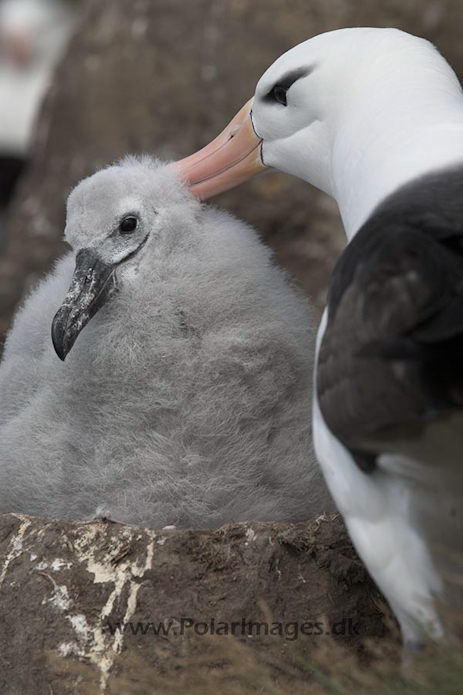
187	399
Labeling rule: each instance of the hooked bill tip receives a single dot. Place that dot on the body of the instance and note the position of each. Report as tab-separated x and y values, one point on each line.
93	283
58	338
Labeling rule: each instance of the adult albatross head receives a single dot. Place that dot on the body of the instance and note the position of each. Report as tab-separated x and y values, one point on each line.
337	110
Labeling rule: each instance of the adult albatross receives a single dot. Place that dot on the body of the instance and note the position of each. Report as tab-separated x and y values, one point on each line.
374	117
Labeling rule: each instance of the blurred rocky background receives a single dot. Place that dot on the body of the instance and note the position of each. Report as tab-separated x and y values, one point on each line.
162	76
33	35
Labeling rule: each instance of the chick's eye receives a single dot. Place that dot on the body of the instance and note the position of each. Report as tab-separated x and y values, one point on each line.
279	93
128	225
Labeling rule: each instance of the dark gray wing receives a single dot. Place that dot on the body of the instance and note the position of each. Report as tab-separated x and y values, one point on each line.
391	357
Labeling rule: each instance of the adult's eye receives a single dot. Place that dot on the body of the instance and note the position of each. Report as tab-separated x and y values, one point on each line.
279	93
128	225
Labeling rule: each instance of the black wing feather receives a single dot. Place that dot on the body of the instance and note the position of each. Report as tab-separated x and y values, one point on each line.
391	356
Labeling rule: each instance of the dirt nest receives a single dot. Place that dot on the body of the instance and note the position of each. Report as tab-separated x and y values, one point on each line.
106	596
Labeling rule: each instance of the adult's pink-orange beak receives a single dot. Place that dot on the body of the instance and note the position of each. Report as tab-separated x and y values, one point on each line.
233	157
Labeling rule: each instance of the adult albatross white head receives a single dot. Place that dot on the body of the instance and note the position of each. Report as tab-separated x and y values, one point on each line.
374	117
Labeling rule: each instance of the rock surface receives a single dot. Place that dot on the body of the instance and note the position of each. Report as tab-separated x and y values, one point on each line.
66	587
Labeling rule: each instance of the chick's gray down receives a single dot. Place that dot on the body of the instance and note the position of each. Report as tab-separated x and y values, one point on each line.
186	396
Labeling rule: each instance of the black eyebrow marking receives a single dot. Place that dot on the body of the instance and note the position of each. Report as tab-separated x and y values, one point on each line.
287	80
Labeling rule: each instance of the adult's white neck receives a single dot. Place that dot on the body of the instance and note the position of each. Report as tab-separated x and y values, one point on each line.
398	135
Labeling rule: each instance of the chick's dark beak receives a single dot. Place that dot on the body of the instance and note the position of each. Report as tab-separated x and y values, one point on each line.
93	283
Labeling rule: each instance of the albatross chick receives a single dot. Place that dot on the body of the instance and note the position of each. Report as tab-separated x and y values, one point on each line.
183	392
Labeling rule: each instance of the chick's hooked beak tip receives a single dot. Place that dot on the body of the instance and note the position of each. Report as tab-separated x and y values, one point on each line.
93	284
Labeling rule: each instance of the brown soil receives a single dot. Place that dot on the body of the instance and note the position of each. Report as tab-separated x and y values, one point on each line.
66	586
